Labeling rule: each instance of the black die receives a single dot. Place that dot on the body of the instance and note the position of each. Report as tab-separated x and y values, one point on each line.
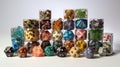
9	51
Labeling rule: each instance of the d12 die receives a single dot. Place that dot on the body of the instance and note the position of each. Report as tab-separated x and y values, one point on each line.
9	51
81	23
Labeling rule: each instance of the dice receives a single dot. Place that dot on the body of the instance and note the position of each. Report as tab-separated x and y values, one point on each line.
68	44
68	25
37	51
44	44
81	23
9	51
45	15
69	14
81	13
58	24
22	52
61	52
56	45
57	35
45	35
80	34
68	35
89	52
45	24
74	52
49	51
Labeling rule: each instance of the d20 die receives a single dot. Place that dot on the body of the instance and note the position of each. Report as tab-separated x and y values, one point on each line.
96	24
69	14
68	35
61	52
80	34
49	51
31	35
81	44
81	13
45	35
68	44
95	35
30	24
89	52
69	25
45	15
58	25
108	37
81	23
57	35
45	24
75	52
9	51
57	44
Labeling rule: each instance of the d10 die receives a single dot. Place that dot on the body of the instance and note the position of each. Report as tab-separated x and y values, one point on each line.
96	24
75	52
45	35
61	52
95	35
9	51
45	24
89	52
49	51
57	35
69	44
80	34
69	25
81	44
58	25
68	35
81	13
30	24
31	35
22	52
56	45
37	51
81	24
45	15
69	14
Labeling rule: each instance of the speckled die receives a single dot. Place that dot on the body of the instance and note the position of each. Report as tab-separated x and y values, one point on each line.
9	51
57	44
57	35
45	15
74	52
61	52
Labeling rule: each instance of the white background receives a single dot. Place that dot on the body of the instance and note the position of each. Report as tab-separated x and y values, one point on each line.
12	13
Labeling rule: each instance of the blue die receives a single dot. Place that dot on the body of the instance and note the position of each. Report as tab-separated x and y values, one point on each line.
68	35
81	23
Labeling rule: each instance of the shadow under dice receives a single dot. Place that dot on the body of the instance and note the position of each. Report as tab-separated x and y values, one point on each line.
96	24
69	25
45	15
45	24
95	35
81	23
81	13
58	25
80	34
69	14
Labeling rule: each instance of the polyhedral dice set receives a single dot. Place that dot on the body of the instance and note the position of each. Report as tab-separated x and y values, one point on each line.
61	37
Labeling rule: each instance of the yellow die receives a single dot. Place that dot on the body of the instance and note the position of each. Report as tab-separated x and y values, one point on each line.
75	52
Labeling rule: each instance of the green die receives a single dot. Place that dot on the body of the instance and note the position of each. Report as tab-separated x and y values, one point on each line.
95	35
81	13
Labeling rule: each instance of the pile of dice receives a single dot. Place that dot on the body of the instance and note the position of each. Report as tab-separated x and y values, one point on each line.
45	37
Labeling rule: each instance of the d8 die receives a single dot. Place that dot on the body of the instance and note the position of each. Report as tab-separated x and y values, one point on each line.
95	35
69	25
89	52
45	15
37	51
49	51
22	52
81	13
44	44
68	35
9	51
80	34
31	35
57	35
58	25
81	44
108	37
61	52
96	24
75	52
81	23
31	24
45	24
57	44
17	43
45	35
69	14
68	44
